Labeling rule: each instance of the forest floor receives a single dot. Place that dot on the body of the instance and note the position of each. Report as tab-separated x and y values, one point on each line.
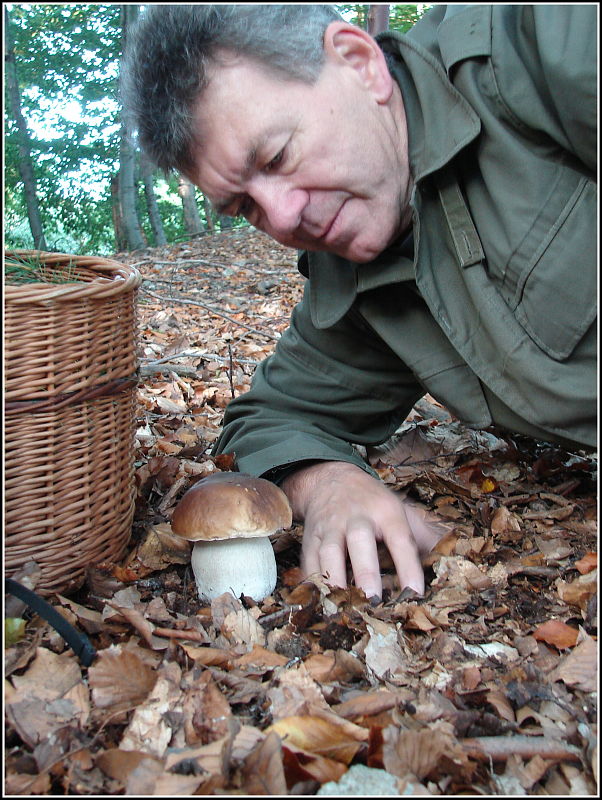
487	685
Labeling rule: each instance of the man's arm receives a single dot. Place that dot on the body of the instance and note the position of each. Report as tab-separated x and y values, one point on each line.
319	392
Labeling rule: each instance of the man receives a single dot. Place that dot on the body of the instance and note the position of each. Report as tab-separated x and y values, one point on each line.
441	187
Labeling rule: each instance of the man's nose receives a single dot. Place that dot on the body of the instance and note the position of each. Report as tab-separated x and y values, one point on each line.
280	205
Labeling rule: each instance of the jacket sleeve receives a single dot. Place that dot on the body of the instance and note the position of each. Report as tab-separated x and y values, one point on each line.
555	49
319	392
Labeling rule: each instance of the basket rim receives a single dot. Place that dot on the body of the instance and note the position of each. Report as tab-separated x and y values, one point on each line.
114	278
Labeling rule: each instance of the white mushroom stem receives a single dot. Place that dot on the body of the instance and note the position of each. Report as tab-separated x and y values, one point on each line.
240	566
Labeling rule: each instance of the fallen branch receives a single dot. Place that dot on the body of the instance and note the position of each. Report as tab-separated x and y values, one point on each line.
534	570
211	310
156	367
500	748
203	355
171	633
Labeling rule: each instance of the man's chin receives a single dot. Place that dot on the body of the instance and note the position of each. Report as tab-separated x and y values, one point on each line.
356	250
357	253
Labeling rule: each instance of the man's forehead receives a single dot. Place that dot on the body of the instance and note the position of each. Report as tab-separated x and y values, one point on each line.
236	89
225	64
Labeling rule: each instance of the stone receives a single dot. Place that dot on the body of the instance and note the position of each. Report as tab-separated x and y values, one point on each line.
362	781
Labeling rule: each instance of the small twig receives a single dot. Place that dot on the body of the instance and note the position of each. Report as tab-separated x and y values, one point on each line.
270	621
84	746
500	748
211	310
556	498
155	367
516	499
532	569
231	371
172	633
200	354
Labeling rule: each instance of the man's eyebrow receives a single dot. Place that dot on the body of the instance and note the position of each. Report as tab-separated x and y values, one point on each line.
220	208
250	163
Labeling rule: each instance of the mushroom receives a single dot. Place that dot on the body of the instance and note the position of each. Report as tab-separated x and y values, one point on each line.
229	516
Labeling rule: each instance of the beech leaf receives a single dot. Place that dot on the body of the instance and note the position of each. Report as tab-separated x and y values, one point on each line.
557	633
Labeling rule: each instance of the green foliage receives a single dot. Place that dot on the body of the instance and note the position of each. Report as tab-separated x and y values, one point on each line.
14	630
21	268
67	59
401	17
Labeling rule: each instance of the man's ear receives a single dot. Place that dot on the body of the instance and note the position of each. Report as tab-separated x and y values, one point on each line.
348	45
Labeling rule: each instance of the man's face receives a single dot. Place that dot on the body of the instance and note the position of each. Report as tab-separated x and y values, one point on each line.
317	167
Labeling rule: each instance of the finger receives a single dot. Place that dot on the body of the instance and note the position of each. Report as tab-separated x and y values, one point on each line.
363	554
324	555
333	563
310	560
407	565
404	552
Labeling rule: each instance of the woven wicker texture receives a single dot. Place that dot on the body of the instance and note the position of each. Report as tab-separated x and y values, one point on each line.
70	406
65	337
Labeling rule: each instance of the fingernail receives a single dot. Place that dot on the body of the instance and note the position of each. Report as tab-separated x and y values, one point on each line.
374	600
409	592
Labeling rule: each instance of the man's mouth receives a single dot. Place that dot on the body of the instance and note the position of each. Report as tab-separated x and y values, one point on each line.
331	227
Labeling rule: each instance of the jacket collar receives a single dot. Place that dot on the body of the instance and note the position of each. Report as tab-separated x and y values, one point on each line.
336	282
440	123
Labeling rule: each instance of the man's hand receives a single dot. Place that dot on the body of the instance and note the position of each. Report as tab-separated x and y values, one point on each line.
347	511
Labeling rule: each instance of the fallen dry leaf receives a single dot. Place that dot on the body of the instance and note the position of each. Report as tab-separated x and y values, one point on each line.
119	679
317	735
580	667
579	591
206	712
367	704
149	779
295	692
263	769
47	697
417	619
460	573
504	520
557	633
301	766
420	753
588	563
333	665
149	730
119	764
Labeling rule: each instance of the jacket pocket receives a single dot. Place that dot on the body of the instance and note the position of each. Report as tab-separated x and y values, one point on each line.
556	291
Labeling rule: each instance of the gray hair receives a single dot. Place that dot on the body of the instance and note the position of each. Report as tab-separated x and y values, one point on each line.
164	69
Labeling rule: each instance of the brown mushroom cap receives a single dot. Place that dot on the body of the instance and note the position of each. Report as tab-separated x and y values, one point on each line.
227	505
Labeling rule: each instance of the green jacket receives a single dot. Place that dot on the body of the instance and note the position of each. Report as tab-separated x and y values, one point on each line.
492	307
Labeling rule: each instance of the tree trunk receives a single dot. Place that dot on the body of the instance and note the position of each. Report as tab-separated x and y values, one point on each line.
146	171
128	195
121	243
378	19
25	161
127	162
208	213
192	218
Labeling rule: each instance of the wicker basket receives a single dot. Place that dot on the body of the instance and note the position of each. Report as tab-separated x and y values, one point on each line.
70	407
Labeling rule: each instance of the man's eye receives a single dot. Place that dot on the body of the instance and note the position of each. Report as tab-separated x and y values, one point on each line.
244	207
275	162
